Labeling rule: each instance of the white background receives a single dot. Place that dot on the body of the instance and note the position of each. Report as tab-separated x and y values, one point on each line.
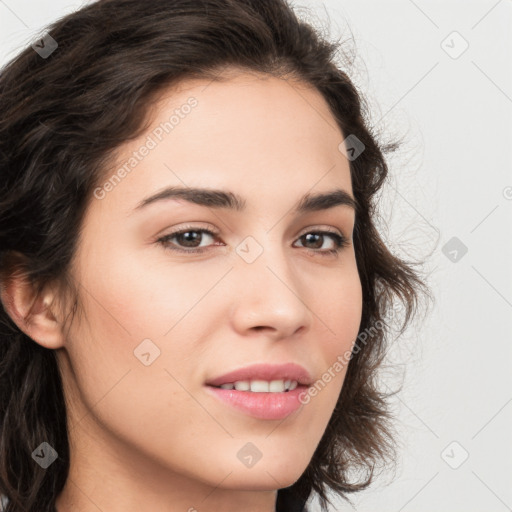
452	178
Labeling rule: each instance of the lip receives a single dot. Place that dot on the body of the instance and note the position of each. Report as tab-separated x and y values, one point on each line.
268	372
264	406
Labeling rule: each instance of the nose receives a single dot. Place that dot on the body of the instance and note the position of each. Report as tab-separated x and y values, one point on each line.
268	297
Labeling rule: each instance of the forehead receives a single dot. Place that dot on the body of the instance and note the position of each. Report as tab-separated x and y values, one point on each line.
249	131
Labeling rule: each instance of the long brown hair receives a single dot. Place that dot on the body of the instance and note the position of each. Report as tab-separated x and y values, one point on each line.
62	116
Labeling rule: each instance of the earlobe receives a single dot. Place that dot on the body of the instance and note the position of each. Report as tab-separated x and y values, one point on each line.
32	314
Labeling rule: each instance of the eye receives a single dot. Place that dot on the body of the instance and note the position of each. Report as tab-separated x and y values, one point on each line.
192	237
189	235
318	237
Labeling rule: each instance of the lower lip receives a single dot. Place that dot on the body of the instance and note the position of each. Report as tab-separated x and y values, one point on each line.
265	406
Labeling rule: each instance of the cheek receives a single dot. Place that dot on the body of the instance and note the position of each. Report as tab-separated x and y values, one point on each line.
132	307
339	311
138	297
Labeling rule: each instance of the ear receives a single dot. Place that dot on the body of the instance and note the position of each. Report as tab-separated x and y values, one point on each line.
31	313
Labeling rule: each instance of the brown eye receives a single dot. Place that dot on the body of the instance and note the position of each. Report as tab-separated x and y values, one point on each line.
317	239
187	237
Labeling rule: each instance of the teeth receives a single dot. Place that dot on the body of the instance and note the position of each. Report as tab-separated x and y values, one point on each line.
242	385
262	386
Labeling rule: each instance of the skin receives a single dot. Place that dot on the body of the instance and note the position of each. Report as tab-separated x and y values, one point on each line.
151	437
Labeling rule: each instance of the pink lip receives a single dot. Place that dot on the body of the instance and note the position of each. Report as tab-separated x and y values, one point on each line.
265	406
288	371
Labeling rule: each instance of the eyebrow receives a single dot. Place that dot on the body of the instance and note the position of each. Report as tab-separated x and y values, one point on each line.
214	198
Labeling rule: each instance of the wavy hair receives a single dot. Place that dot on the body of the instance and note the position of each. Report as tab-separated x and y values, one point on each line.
62	118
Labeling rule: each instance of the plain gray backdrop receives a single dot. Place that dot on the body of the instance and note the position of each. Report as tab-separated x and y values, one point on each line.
438	73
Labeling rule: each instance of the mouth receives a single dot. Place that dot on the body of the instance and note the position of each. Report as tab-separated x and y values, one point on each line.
269	392
263	405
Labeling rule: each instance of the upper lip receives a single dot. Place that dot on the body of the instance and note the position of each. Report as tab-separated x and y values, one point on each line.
268	372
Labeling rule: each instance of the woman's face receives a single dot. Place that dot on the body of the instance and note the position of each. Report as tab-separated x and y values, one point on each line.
160	321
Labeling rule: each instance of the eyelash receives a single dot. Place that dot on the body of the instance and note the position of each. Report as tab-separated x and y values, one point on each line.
340	241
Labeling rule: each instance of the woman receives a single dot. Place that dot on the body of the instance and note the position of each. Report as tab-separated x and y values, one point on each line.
194	292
